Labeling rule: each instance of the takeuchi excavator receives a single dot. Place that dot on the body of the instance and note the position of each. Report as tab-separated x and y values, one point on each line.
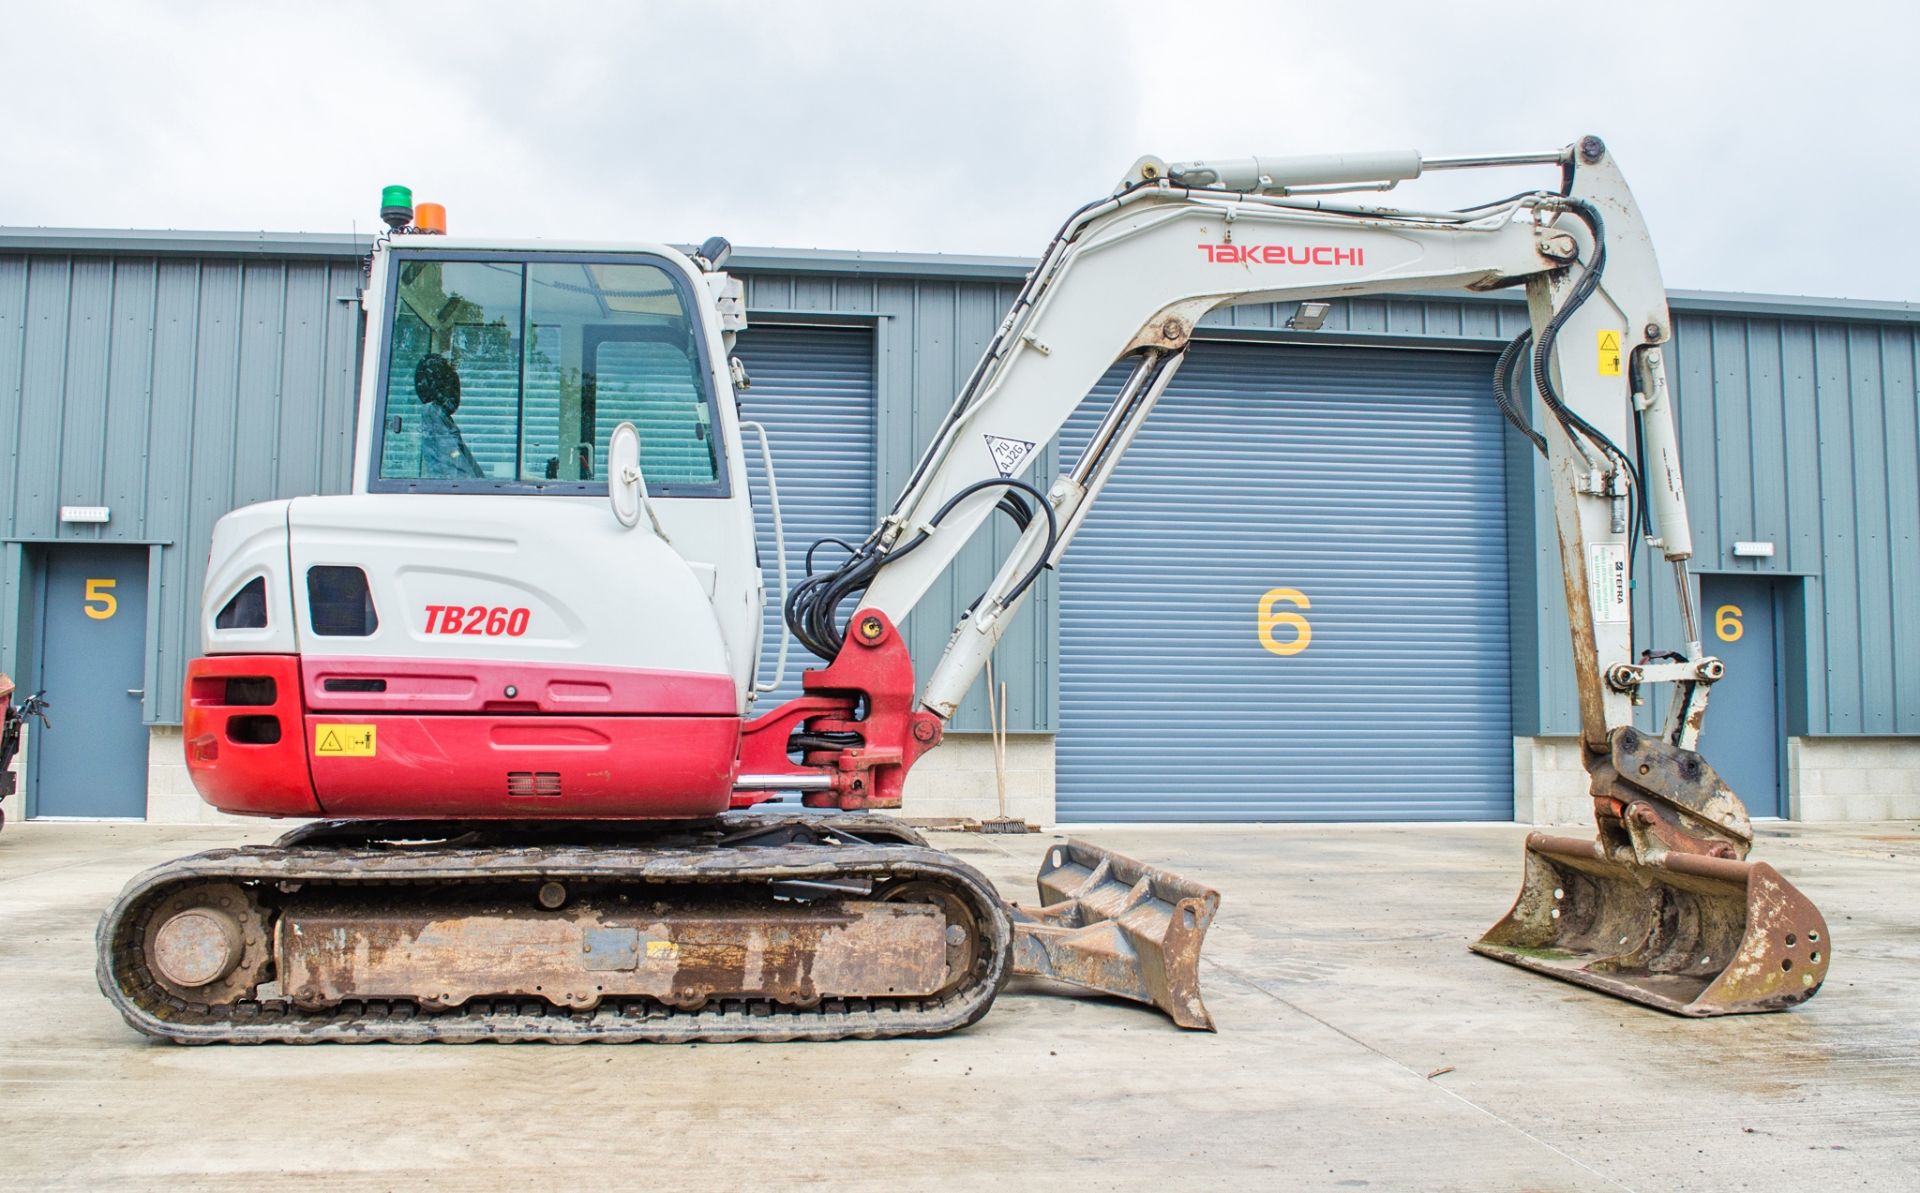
510	678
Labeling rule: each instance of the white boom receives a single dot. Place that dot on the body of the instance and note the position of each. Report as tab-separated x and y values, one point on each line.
1131	275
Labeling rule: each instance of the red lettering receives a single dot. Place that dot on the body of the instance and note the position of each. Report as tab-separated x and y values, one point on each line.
493	622
1282	254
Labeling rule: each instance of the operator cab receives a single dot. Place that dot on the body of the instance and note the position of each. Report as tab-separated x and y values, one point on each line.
480	629
507	372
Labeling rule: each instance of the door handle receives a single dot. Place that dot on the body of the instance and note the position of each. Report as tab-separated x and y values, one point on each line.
136	691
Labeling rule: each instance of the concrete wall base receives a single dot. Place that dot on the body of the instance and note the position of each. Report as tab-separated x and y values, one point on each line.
1828	778
956	779
171	798
1853	778
1549	784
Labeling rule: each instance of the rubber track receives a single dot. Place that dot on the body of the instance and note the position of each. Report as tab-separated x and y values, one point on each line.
149	1008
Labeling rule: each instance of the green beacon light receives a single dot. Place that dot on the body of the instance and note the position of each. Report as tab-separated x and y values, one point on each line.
396	206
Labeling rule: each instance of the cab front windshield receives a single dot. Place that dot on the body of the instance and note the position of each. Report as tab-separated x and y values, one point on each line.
510	374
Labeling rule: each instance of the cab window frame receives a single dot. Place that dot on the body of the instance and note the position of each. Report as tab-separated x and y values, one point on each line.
719	487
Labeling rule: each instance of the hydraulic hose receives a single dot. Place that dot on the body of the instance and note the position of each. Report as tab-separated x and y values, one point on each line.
812	610
1503	390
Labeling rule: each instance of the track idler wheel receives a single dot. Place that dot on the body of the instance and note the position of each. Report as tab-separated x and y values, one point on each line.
963	927
207	943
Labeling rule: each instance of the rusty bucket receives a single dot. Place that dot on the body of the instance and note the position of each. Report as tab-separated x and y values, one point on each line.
1118	926
1686	933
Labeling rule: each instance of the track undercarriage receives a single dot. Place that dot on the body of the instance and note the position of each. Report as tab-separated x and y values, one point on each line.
754	927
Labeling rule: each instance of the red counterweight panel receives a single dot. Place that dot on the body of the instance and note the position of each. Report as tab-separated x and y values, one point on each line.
523	766
245	745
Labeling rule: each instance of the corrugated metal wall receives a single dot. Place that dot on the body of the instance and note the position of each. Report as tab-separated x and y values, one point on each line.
174	377
1799	432
170	389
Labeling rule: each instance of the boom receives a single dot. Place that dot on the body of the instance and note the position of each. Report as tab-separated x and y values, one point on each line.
1661	907
1131	275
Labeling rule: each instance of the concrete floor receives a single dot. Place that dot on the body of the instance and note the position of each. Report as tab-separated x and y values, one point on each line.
1360	1045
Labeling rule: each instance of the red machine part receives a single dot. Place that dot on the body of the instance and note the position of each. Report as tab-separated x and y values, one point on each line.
281	735
872	675
246	747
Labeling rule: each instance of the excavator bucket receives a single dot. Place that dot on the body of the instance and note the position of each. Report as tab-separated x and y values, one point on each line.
1686	933
1118	926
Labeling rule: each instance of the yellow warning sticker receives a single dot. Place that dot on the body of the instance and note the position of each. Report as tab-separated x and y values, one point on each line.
658	949
343	741
1609	353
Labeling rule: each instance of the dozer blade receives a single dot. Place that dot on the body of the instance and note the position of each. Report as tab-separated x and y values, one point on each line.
1689	934
1115	925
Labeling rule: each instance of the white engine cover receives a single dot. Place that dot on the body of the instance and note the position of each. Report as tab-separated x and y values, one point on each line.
553	580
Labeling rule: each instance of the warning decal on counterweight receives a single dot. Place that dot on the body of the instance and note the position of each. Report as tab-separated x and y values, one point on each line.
343	741
1607	580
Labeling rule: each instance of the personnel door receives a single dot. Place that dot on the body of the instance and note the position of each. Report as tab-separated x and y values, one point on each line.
1744	736
90	759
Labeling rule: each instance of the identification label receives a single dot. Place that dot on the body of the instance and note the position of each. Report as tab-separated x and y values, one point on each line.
1609	353
1607	578
1008	454
343	741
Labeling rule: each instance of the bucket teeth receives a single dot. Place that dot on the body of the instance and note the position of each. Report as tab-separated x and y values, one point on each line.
1112	924
1685	933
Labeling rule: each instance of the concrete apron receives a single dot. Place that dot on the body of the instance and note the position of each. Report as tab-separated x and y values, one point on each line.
1360	1045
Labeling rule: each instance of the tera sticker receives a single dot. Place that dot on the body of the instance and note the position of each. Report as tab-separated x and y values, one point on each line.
344	741
1607	582
1008	454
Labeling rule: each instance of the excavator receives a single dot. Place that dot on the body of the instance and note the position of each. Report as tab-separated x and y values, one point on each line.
509	679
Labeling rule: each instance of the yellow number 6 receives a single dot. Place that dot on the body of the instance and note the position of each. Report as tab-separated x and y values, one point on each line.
1726	623
1302	632
97	592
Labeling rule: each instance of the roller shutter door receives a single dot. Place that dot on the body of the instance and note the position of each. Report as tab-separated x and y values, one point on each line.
1371	484
813	389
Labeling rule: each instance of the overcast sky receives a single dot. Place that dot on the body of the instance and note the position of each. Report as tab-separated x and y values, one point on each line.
1772	145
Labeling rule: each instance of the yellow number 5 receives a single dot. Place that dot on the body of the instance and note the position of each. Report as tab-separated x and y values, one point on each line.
1726	623
106	606
1302	632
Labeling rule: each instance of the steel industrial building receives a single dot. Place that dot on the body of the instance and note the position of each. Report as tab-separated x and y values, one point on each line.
1365	624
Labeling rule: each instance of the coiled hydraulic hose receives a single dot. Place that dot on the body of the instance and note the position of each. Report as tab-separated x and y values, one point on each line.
812	610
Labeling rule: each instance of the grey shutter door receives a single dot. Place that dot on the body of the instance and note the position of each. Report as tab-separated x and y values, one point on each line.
813	389
1370	481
